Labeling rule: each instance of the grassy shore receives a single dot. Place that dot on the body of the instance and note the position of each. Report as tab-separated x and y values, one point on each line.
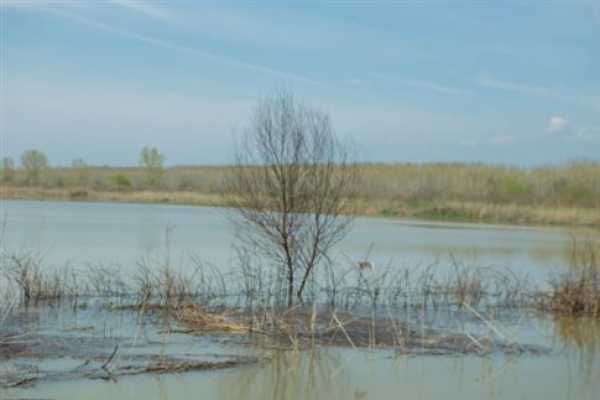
442	210
567	194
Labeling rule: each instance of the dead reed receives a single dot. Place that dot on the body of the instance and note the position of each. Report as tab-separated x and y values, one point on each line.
258	290
577	292
35	282
197	319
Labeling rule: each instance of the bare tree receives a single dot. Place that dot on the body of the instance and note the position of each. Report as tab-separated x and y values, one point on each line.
152	161
292	188
34	163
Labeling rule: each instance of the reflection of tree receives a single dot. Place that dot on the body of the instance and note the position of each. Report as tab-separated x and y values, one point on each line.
292	375
581	337
558	254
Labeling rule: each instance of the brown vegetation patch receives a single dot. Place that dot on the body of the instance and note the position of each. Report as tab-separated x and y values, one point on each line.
299	329
575	298
194	317
345	330
577	292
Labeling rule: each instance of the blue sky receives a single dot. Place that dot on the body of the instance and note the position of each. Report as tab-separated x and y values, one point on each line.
499	82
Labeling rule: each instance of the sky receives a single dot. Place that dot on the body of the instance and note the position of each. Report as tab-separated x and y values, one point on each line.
511	82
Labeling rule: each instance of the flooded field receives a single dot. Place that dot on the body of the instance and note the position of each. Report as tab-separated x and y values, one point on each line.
80	233
98	348
570	368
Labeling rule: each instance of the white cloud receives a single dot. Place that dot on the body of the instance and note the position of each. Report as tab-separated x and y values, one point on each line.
596	102
182	48
561	126
146	8
355	81
595	8
273	26
546	92
427	85
558	125
39	4
19	3
502	139
589	133
522	88
469	143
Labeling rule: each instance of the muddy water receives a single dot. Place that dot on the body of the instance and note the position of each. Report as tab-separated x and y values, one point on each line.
80	233
571	371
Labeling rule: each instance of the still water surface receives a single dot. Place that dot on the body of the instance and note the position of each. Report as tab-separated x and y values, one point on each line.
80	233
572	371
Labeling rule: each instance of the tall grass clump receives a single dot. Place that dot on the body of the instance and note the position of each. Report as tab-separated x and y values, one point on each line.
577	292
34	282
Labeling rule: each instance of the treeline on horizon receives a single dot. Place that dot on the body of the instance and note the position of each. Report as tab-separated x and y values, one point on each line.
572	184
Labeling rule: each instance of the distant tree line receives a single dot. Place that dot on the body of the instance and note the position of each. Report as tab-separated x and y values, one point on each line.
397	186
34	170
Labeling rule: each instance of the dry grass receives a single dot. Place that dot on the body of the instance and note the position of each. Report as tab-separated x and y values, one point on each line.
563	195
35	284
440	210
306	328
130	196
578	291
256	289
192	316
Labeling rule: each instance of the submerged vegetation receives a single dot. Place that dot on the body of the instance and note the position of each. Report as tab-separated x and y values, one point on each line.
341	287
389	307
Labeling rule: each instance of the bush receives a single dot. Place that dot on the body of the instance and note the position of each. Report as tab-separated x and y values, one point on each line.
34	163
578	291
120	180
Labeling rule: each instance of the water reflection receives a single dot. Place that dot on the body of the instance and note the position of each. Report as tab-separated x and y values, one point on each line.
581	332
335	374
348	374
291	375
122	233
580	338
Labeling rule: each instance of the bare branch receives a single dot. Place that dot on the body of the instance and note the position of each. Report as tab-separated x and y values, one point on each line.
291	188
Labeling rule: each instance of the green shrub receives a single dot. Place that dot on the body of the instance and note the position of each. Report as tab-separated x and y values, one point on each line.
120	180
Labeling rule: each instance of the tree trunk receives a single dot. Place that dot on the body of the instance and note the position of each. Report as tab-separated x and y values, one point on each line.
290	286
303	283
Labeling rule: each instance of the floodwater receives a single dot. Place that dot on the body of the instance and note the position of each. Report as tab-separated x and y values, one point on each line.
570	371
109	233
80	233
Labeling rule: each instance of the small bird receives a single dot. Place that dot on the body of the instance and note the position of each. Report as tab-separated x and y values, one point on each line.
366	266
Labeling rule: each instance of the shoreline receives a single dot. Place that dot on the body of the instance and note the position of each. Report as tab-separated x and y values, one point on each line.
435	211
